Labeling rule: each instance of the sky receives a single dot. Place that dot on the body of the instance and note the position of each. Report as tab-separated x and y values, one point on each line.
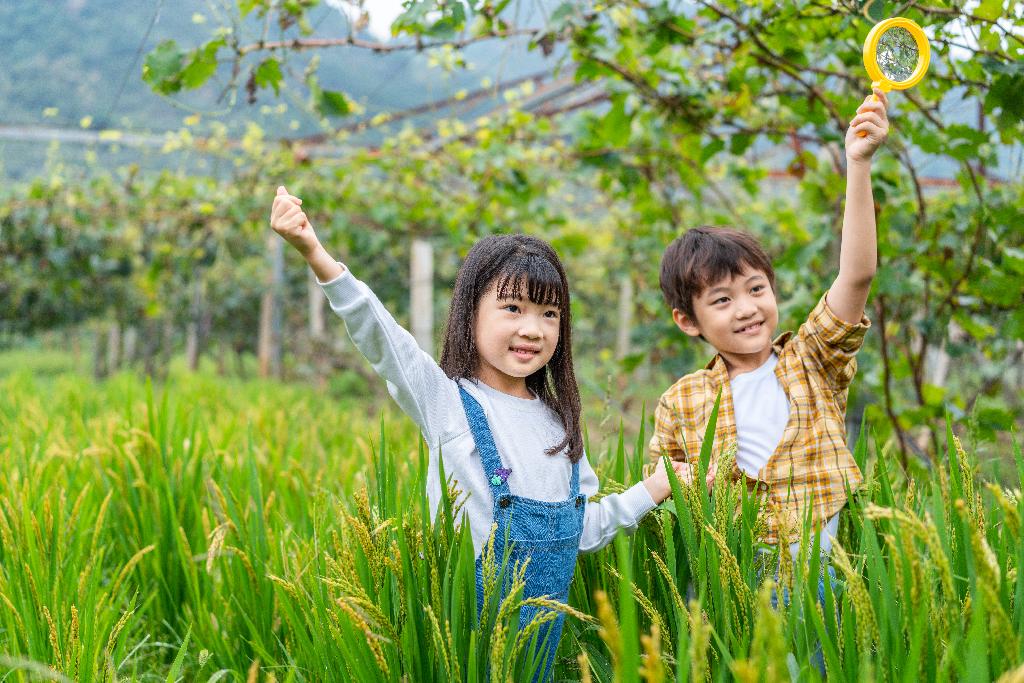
382	13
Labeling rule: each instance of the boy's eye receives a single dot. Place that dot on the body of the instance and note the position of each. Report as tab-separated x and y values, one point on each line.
757	289
719	300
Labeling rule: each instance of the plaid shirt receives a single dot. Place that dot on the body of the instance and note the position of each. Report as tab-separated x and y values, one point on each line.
811	464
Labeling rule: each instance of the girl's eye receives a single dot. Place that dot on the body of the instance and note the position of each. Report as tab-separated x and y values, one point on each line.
551	314
511	308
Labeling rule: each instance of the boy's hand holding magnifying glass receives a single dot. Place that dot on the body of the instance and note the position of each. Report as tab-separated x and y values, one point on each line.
896	57
868	129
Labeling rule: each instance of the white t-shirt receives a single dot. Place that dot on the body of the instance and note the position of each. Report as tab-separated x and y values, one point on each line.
762	411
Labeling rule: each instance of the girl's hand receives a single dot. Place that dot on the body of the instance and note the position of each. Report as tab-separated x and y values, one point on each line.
288	220
658	484
871	120
709	478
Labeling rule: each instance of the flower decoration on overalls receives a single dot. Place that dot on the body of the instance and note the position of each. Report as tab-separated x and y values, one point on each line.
500	476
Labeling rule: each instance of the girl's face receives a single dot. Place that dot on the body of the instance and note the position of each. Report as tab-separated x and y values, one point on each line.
514	339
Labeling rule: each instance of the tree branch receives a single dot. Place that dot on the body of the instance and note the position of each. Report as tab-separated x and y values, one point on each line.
887	380
299	44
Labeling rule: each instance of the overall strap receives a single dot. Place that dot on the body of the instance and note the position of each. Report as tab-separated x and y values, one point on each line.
574	480
493	468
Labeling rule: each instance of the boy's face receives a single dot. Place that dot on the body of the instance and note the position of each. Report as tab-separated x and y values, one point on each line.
737	315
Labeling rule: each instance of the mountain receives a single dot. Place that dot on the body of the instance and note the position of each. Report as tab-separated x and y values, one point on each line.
65	60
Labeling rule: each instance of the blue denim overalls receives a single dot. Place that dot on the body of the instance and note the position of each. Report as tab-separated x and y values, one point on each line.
548	533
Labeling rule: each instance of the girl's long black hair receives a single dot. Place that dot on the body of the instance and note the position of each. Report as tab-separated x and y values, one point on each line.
512	262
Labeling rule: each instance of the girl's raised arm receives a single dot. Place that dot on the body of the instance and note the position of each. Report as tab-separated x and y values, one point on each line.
413	378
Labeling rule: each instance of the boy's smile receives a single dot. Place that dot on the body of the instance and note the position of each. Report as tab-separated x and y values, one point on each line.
737	315
752	328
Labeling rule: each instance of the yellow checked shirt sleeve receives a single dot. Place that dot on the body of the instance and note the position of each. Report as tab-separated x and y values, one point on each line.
667	434
833	343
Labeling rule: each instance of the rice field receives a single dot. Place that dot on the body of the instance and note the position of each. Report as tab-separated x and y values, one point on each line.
224	530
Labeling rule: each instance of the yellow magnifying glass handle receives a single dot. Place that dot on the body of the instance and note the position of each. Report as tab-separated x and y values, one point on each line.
874	98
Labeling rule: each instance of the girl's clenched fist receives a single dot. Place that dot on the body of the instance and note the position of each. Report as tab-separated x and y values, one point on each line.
290	222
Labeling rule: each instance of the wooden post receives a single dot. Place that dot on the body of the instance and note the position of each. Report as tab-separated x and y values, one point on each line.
421	294
317	326
129	345
194	333
625	326
166	345
270	311
99	352
113	346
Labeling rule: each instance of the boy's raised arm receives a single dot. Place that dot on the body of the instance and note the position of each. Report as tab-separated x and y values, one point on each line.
858	254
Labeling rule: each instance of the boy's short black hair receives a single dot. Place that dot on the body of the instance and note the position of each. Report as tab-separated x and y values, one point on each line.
704	255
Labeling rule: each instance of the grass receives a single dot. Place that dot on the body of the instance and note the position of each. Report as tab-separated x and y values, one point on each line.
225	530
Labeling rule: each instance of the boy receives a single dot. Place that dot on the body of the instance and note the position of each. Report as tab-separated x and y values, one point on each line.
783	402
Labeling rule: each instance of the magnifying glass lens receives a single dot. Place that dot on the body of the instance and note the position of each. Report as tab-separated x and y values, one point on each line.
897	54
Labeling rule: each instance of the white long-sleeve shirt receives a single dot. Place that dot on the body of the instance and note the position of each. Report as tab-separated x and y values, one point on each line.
523	428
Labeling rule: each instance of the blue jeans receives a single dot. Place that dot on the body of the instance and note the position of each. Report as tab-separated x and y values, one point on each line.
818	657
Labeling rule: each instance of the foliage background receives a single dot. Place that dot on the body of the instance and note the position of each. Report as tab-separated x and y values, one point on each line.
648	117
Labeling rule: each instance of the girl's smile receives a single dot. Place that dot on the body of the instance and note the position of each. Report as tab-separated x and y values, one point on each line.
525	352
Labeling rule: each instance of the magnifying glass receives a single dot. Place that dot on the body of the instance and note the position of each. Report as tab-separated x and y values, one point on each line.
896	55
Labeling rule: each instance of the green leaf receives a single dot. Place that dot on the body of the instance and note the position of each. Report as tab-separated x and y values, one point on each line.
616	125
933	394
202	64
711	149
1013	259
268	74
562	14
989	9
162	68
973	325
995	66
975	659
444	28
247	6
992	417
332	103
877	10
739	143
963	141
1007	94
179	659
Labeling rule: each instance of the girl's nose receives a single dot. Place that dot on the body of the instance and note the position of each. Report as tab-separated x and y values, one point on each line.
530	330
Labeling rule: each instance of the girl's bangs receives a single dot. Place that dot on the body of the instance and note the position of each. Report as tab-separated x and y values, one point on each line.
544	285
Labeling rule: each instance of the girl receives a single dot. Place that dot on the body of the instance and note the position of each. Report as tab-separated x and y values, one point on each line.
502	408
